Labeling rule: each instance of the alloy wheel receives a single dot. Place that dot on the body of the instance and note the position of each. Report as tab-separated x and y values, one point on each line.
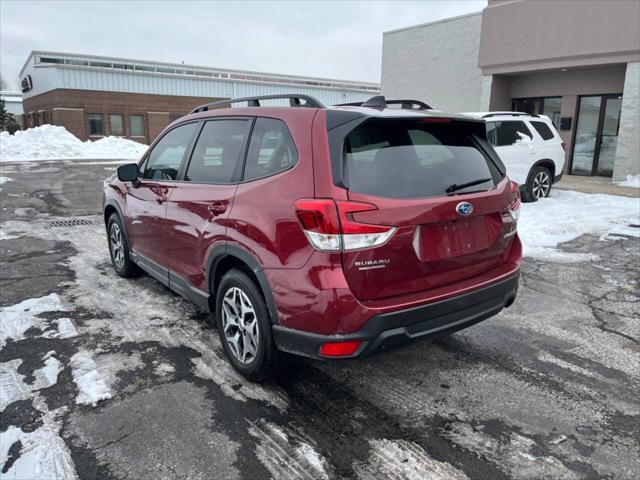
240	325
117	246
541	185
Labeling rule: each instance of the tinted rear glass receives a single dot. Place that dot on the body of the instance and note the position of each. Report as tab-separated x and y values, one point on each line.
543	129
401	159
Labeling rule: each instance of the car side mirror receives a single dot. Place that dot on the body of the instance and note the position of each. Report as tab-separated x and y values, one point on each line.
128	173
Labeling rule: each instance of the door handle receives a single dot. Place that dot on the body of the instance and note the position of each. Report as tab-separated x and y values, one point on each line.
217	208
161	199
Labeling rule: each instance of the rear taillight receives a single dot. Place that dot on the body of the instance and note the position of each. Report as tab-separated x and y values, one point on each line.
330	227
514	207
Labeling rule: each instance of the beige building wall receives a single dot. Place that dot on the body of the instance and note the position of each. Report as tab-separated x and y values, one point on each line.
528	35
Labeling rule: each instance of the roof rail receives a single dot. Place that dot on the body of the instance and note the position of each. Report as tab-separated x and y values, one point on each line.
513	114
381	102
294	101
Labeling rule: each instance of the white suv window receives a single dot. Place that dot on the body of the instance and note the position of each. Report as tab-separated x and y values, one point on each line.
506	132
543	129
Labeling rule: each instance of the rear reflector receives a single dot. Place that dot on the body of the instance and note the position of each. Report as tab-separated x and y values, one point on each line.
339	349
330	227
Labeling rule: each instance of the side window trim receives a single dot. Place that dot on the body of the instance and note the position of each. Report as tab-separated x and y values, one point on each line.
187	159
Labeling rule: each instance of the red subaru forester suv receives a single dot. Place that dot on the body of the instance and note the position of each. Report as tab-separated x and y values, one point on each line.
328	232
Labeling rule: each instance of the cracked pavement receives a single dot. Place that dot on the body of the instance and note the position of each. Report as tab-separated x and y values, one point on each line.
547	389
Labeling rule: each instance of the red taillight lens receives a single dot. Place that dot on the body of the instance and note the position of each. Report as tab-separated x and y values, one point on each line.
339	349
330	226
514	208
318	215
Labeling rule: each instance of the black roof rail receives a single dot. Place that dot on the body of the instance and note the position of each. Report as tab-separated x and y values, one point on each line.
381	102
513	114
294	101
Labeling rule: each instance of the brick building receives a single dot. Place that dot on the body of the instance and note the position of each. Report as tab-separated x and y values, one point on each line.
95	96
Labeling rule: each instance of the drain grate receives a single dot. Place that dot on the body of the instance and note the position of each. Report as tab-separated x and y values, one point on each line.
72	222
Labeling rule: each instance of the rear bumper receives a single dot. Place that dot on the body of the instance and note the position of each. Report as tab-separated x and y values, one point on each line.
558	177
394	328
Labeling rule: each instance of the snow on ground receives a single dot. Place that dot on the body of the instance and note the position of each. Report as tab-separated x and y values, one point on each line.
630	181
285	455
50	142
406	460
92	386
566	215
4	180
17	319
43	453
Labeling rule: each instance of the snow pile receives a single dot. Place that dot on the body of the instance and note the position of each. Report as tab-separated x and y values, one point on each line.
49	142
91	384
566	215
630	181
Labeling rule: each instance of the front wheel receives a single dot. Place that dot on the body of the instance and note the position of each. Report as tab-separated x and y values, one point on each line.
538	185
244	326
119	249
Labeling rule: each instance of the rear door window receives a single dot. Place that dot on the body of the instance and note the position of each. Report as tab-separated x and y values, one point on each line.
219	151
503	133
164	160
271	150
408	159
543	129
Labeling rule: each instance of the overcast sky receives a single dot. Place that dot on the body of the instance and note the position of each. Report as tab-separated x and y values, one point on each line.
325	39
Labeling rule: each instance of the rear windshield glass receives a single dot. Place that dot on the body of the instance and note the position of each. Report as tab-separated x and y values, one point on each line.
415	159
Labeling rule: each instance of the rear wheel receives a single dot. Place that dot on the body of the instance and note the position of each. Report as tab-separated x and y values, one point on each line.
119	249
538	185
244	327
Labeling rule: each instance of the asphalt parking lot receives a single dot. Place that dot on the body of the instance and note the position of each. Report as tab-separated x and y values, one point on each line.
550	388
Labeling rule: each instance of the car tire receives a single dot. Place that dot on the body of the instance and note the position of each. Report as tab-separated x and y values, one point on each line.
119	248
244	327
538	184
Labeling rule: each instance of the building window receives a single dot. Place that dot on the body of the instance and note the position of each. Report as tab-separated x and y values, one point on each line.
96	126
117	124
549	106
136	124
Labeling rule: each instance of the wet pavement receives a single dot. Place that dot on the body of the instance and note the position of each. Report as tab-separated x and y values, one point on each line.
105	378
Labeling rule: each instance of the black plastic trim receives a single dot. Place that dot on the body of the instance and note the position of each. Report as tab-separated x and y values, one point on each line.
152	268
428	321
230	250
182	288
294	101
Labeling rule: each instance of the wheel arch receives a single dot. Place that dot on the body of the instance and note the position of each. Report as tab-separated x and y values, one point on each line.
546	163
110	208
227	257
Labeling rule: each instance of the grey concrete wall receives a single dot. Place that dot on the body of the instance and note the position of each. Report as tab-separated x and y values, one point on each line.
436	63
628	149
527	35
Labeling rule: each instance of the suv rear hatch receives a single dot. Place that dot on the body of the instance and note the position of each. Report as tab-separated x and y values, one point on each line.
441	191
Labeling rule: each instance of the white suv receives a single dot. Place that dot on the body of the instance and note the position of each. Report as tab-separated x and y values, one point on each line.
530	148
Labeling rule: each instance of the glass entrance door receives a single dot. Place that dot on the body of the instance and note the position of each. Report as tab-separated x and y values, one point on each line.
596	137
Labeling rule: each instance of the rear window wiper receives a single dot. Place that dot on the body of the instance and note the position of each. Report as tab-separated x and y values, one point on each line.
455	187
